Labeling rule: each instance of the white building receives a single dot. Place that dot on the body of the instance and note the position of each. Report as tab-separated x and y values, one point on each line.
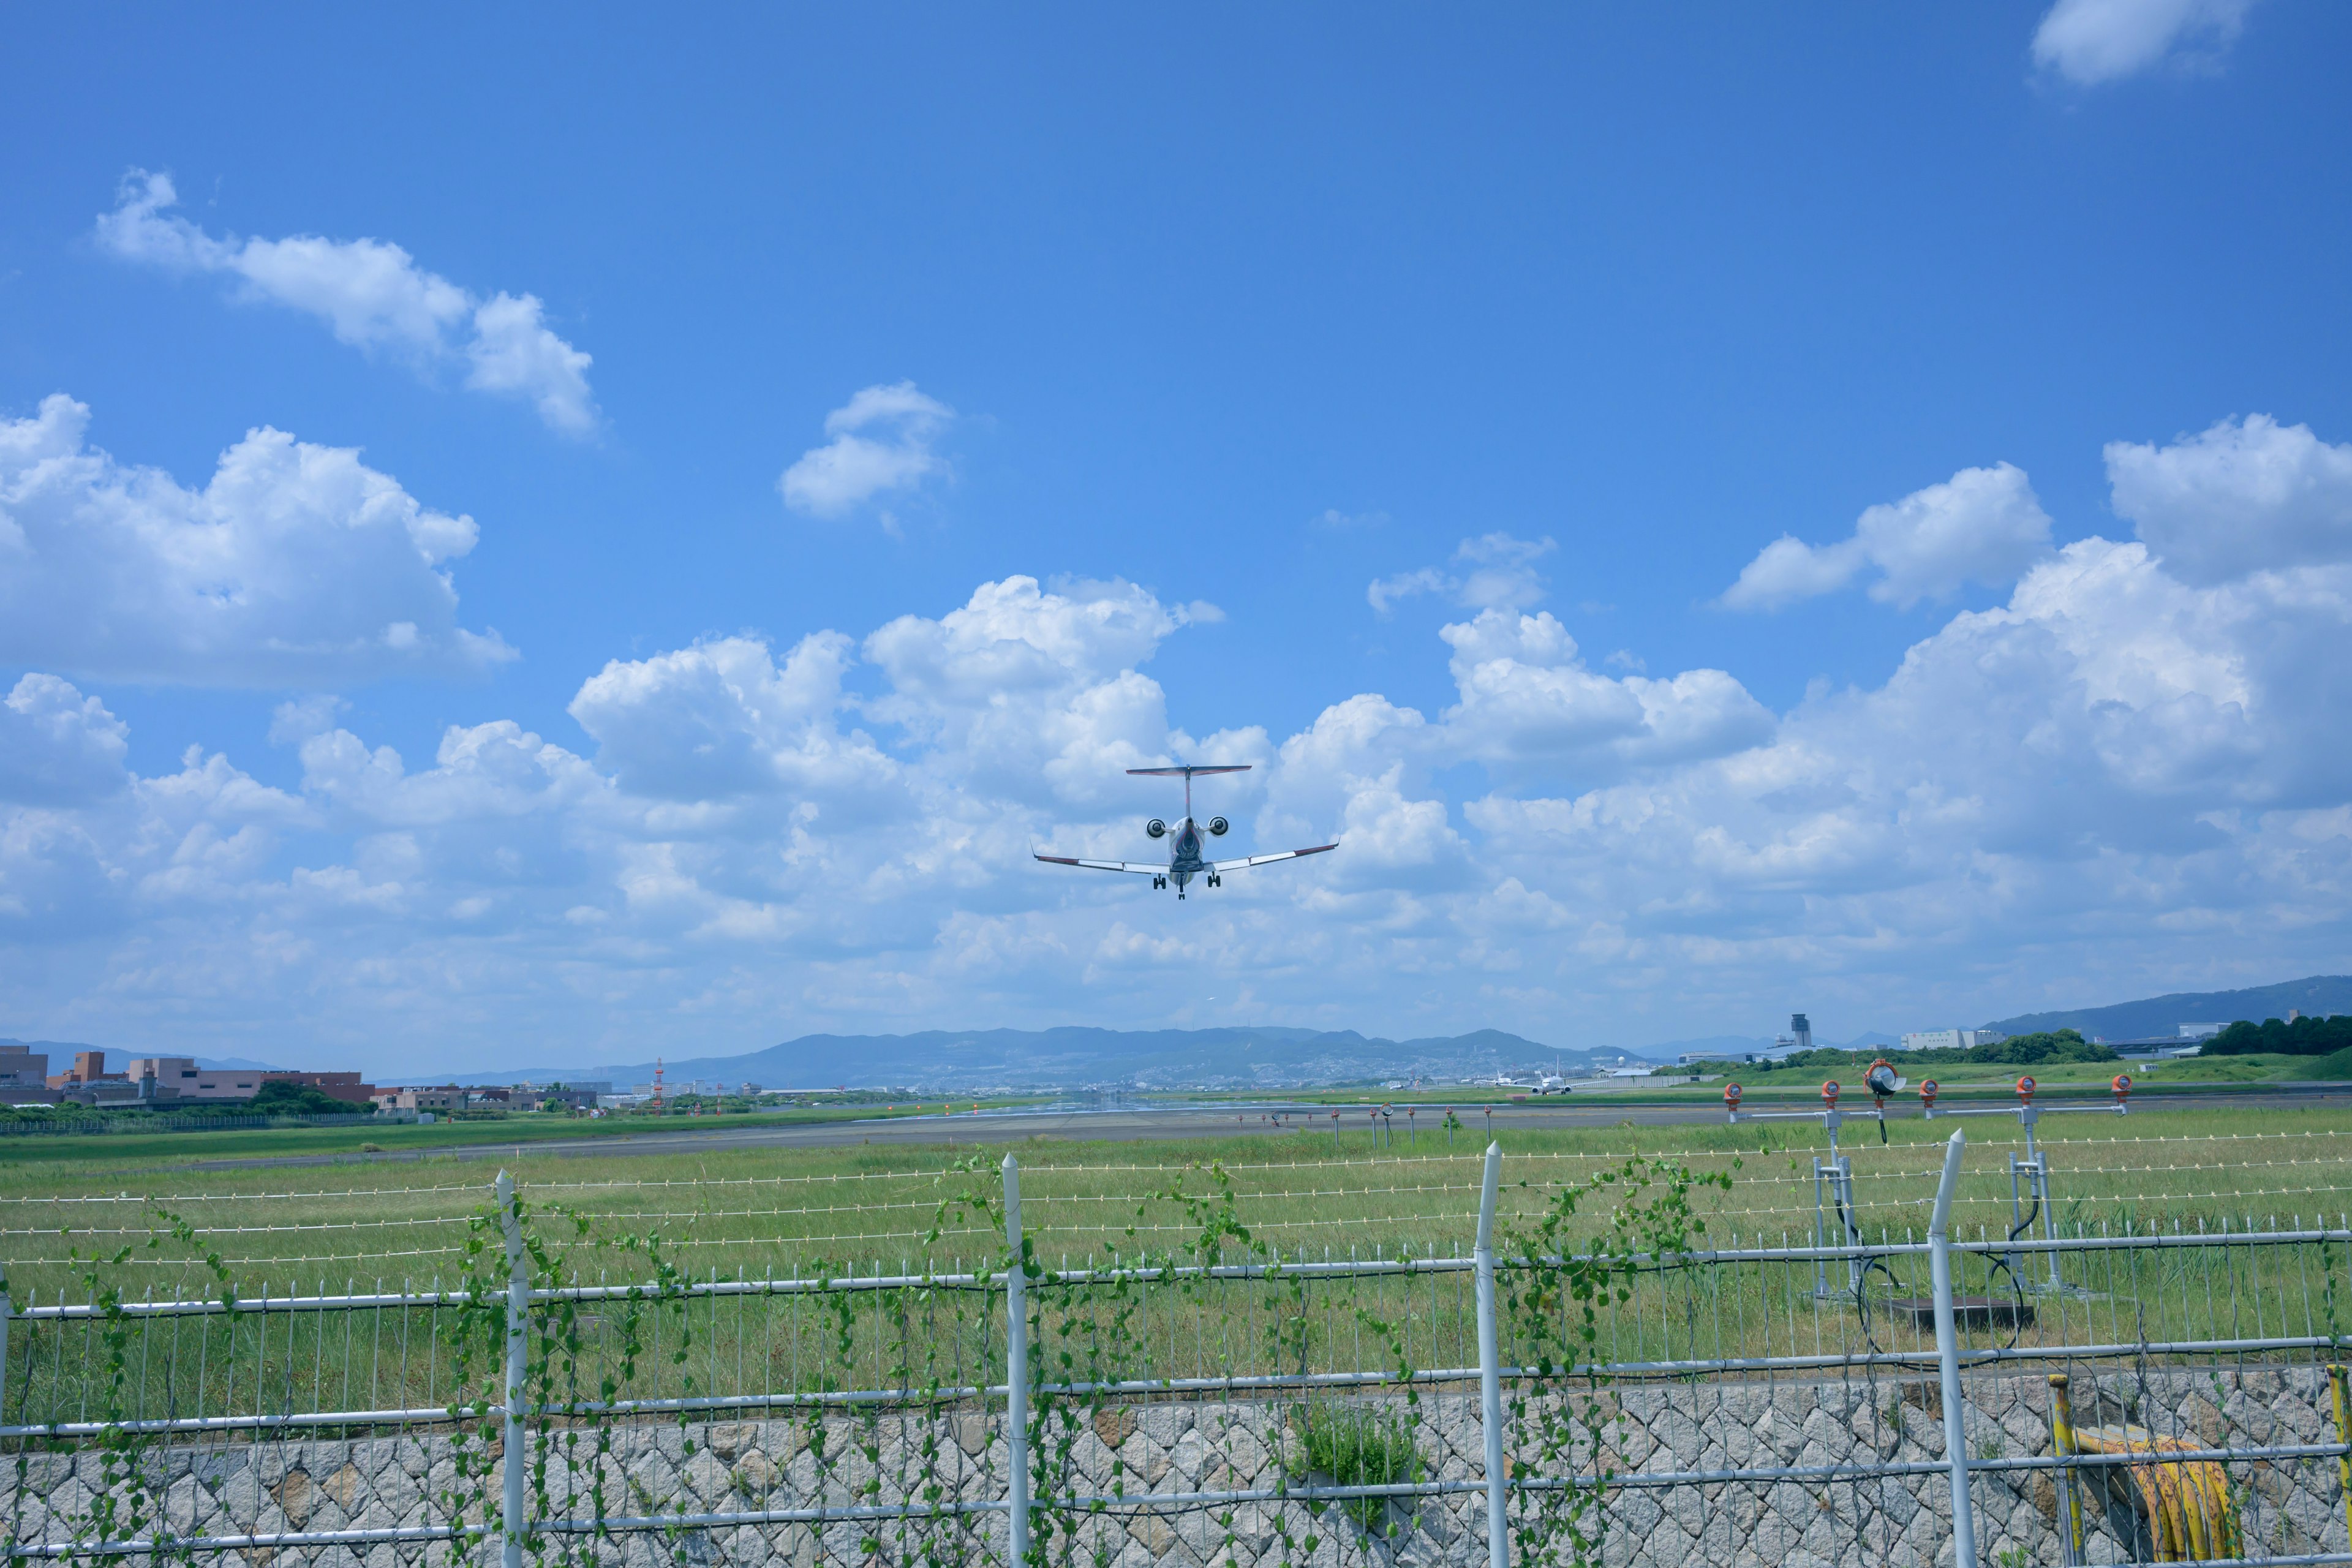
1949	1039
2200	1031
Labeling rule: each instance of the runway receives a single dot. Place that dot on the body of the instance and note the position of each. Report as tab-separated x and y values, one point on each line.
1305	1125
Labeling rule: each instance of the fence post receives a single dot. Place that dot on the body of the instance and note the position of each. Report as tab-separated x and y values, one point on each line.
1948	1353
2343	1399
1016	1371
6	1308
518	1352
2061	1442
1490	1371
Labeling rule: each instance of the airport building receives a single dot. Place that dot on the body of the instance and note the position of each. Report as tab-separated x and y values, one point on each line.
1949	1039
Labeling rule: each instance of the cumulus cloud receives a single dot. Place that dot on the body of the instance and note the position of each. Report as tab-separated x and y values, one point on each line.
2094	41
58	747
373	295
881	443
1530	706
720	720
2245	496
1033	691
1982	525
295	565
1492	571
2120	775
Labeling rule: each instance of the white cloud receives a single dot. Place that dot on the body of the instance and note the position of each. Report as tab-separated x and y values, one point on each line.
295	565
720	719
2247	495
374	296
1982	525
2119	777
1495	571
1034	692
881	443
2094	41
58	747
1385	592
1531	708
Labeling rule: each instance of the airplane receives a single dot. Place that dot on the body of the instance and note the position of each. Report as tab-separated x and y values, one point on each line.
1184	861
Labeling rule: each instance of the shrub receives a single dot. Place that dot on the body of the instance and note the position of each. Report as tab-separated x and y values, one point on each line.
1357	1447
280	1097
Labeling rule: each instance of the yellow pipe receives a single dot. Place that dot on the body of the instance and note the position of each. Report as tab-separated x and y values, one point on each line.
2061	1436
2343	1435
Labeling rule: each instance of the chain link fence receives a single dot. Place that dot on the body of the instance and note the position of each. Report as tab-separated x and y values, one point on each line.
1594	1380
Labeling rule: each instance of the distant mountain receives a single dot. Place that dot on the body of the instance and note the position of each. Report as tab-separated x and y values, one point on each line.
1070	1058
2317	996
54	1049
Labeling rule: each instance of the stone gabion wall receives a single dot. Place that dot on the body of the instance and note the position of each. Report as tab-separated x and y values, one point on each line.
2289	1508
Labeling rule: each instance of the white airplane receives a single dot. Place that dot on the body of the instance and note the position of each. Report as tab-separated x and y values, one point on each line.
1184	861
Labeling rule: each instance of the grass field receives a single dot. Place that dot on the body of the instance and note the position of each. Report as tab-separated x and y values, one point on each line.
134	1145
784	1212
757	1209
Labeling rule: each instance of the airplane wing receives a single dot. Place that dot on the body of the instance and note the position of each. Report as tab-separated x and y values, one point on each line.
1223	866
1109	865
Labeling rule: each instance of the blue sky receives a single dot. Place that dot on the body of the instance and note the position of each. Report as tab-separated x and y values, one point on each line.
1266	348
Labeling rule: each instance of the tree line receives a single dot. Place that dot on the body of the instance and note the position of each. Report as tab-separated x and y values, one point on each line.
2277	1037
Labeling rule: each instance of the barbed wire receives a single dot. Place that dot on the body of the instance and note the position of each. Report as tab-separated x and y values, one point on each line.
1047	1171
1439	1222
1044	1201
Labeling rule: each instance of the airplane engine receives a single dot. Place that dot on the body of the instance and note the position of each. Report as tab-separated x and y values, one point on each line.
1155	828
1218	824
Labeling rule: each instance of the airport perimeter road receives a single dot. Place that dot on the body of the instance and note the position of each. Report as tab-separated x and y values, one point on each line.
1307	1125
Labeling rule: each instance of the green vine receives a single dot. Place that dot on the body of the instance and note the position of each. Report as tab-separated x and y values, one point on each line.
1553	1287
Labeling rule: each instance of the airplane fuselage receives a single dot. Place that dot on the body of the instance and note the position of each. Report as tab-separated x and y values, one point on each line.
1184	861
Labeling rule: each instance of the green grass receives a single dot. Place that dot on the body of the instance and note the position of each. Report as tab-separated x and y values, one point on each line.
131	1147
754	1209
745	1212
1354	1447
2337	1067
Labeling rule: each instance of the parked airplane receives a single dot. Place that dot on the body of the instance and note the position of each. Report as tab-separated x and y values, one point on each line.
1184	861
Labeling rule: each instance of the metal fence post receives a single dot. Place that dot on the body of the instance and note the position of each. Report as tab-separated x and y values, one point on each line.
1016	1371
1948	1354
2343	1401
518	1366
1490	1371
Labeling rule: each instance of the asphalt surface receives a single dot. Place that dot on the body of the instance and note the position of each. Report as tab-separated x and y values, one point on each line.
1273	1120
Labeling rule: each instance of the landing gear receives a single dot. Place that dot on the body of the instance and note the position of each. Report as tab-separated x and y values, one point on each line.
1160	884
1216	882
